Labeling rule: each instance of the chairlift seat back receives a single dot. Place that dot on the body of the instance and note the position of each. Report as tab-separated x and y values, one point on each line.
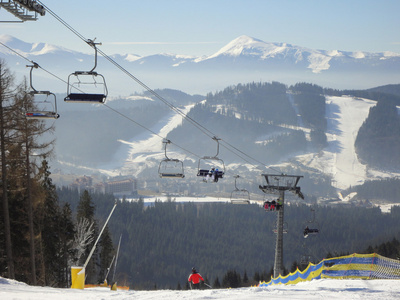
240	201
204	172
172	175
171	168
85	98
41	115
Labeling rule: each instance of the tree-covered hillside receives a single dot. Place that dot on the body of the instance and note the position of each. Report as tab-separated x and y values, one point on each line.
378	140
269	122
257	118
161	243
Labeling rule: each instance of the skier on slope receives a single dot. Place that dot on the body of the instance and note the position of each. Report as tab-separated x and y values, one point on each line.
194	279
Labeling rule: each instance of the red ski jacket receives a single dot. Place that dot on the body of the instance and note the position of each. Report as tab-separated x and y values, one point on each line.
195	278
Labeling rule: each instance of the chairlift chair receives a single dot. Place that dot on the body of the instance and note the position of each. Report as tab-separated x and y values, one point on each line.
43	109
312	226
170	167
306	255
271	206
305	259
206	172
285	228
87	86
240	196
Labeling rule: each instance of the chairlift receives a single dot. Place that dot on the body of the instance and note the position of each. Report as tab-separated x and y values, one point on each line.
285	228
42	108
240	196
87	86
312	226
214	173
282	182
274	205
305	260
306	256
170	167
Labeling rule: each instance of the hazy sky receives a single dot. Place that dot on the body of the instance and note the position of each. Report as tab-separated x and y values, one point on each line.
193	27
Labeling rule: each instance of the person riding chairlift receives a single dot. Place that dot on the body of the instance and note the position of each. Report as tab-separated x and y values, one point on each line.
266	205
308	231
210	174
269	206
279	203
272	205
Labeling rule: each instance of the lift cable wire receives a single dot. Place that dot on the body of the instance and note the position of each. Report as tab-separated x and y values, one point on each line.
177	110
109	107
34	63
205	130
130	119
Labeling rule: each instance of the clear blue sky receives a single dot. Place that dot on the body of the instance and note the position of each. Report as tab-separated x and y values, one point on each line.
194	27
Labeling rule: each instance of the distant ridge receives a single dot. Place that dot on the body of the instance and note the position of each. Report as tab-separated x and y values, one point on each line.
244	59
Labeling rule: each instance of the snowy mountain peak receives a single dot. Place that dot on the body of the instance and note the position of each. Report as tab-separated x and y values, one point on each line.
15	43
30	48
245	45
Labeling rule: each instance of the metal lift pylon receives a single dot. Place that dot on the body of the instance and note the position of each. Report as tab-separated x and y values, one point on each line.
279	184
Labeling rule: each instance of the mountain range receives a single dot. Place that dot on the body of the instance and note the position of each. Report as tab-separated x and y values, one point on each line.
298	128
244	59
264	127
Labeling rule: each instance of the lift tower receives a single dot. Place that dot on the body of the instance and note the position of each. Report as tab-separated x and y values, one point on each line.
24	10
279	184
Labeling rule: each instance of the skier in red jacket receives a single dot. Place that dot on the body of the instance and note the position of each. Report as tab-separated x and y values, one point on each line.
195	278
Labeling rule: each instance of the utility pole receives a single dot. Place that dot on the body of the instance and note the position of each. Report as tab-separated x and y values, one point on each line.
279	184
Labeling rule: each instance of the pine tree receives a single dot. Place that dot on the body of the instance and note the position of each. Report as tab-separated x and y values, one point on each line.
217	284
106	253
67	253
294	267
32	152
85	211
50	227
6	91
231	279
245	278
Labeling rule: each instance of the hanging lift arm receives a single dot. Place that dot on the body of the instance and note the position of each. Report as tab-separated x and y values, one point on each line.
38	114
87	96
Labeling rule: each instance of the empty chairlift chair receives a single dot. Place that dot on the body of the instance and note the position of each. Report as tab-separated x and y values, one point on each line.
240	196
170	167
87	86
44	102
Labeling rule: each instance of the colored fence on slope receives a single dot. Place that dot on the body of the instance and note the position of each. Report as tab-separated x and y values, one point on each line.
361	266
311	272
356	266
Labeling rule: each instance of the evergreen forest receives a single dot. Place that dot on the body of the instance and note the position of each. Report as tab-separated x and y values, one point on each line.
45	229
162	242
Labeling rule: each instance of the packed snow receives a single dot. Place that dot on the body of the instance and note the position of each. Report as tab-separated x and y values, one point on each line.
345	115
149	144
317	289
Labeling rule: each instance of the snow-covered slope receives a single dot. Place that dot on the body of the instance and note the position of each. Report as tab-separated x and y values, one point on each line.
146	150
345	115
317	289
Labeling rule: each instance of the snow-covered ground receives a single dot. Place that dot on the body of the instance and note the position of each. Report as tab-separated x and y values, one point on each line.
345	115
317	289
150	145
